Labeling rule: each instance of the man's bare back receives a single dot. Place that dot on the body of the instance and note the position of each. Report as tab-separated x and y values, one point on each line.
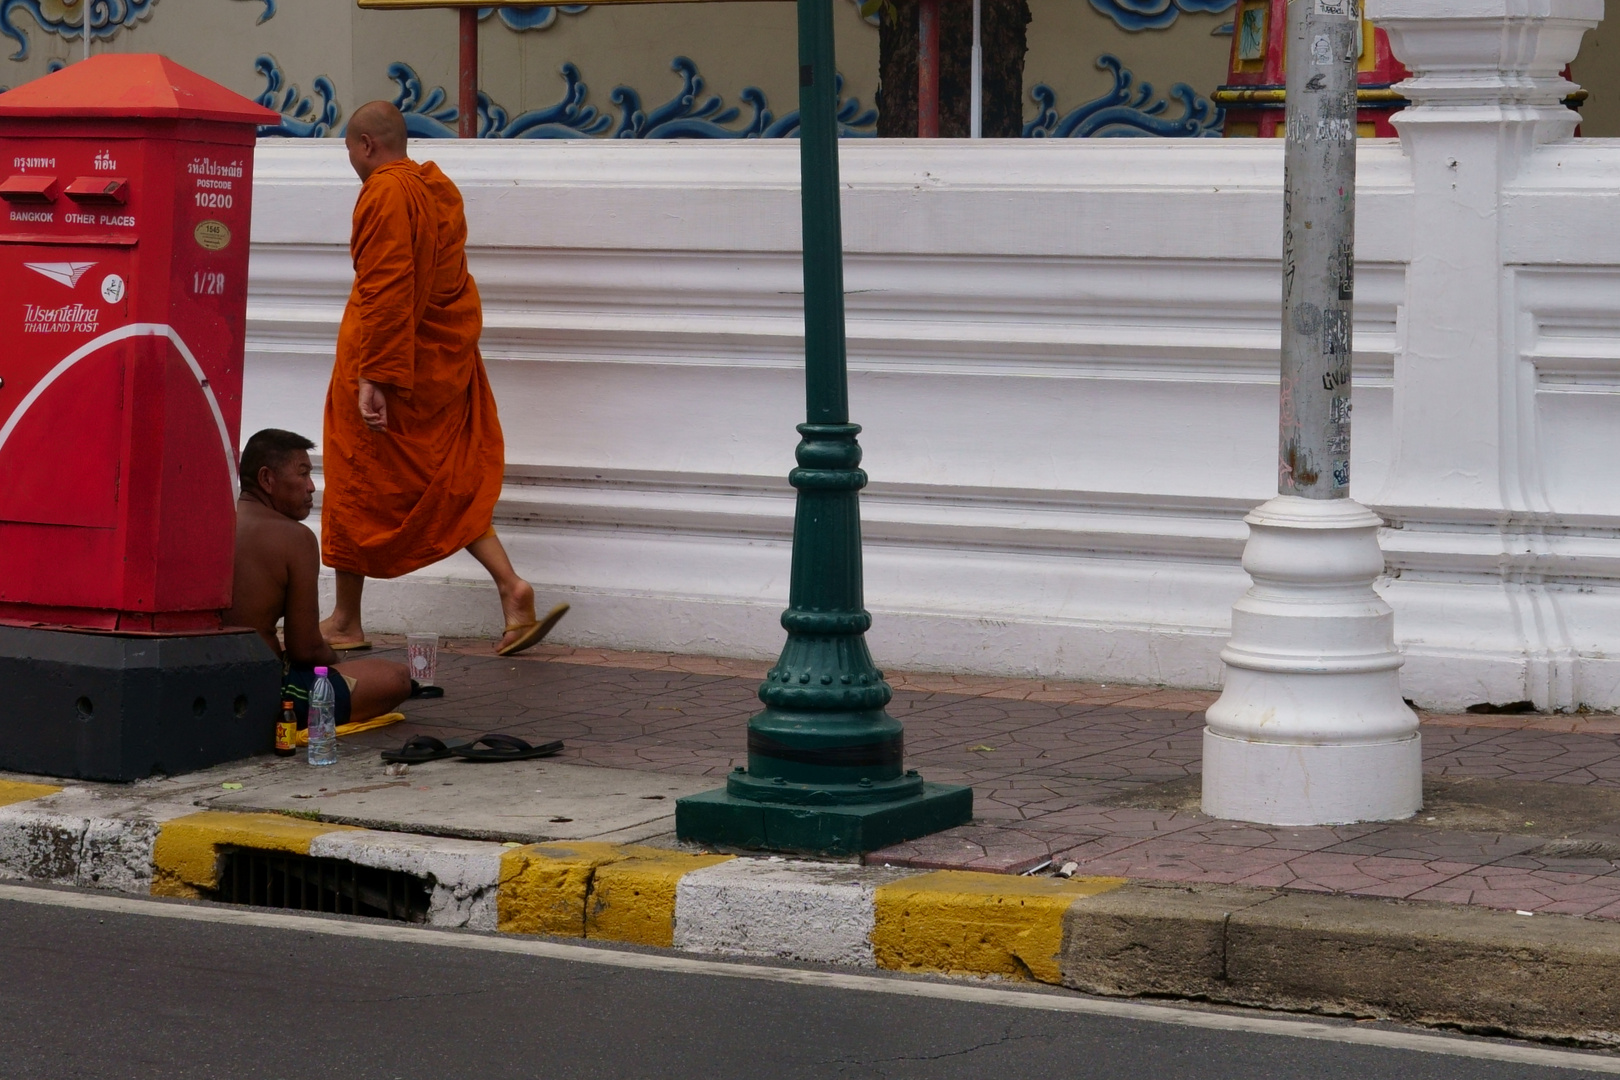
278	562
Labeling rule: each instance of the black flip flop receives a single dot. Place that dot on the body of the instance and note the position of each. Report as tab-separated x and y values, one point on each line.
496	747
417	749
420	691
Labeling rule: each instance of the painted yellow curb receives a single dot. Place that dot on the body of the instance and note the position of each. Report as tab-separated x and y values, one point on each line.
15	791
617	892
543	886
185	858
977	924
633	899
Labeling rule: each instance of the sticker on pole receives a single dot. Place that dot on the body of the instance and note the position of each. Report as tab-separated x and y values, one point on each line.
112	288
212	235
1333	7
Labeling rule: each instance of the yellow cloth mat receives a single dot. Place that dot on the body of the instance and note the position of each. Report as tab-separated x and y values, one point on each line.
358	726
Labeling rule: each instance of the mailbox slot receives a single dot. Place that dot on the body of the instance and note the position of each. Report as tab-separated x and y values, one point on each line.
105	190
28	189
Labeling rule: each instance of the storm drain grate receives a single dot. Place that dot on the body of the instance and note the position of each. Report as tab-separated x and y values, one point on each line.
309	883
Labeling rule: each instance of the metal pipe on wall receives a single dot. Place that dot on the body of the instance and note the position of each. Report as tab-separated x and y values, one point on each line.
976	102
928	69
467	81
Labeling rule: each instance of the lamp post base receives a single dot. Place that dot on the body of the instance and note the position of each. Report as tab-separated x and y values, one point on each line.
721	819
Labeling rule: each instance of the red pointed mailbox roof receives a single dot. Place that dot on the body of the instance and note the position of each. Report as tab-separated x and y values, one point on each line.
136	85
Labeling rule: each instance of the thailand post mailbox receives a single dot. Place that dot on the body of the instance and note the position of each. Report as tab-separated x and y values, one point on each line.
125	194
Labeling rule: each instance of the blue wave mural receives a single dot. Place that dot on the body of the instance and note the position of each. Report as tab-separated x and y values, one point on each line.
544	17
50	66
107	17
532	18
301	117
1127	109
429	115
689	114
1125	112
1155	14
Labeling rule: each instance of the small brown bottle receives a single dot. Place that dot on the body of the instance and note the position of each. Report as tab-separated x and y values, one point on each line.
287	731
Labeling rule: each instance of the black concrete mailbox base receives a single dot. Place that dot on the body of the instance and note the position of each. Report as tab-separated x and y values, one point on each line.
106	707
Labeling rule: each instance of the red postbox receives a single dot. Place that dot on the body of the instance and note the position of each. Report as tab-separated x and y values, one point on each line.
125	195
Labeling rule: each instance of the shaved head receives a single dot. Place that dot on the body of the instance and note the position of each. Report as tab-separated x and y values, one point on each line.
382	121
375	136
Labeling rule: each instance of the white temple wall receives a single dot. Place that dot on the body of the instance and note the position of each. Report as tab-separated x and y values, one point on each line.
1064	356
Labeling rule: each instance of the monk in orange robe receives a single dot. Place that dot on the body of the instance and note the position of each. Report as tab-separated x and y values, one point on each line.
413	454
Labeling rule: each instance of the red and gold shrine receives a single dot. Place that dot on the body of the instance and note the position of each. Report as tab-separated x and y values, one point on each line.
1254	92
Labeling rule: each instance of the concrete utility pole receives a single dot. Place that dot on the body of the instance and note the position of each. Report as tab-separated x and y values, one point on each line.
1310	727
1319	239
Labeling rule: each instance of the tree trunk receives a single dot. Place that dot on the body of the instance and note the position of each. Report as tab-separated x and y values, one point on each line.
1002	35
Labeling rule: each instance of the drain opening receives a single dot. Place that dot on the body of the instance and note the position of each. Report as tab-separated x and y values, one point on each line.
308	883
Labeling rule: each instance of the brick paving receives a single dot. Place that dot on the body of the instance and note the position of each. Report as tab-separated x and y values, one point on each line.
1057	766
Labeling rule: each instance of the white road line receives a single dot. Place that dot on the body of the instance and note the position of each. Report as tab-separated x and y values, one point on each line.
966	992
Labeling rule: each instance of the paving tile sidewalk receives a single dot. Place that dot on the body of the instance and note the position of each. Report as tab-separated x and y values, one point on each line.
1103	775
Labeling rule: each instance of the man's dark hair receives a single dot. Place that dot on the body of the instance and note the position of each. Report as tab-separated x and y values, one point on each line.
271	447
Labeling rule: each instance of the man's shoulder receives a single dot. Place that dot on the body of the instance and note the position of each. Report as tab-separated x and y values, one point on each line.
393	186
441	186
261	524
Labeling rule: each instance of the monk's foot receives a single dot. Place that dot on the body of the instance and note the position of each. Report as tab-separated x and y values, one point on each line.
517	608
342	633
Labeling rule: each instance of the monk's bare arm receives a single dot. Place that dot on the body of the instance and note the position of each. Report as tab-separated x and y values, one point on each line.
385	272
301	627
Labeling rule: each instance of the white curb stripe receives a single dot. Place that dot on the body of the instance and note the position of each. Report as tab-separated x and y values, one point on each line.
788	910
464	873
1050	1001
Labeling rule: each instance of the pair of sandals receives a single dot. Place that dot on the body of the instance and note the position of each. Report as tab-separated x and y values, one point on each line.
492	747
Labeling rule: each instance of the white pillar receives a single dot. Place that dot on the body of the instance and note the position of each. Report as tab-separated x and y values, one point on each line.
1486	91
1486	94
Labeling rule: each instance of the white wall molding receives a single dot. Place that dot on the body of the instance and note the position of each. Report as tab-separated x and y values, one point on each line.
1064	357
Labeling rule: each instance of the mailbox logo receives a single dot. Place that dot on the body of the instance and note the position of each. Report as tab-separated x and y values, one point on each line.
63	273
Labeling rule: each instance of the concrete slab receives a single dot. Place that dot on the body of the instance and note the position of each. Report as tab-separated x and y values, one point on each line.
525	801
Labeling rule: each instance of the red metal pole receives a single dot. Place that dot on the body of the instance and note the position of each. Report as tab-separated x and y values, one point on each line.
467	122
928	69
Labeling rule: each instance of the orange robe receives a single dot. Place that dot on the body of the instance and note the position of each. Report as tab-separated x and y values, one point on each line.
426	488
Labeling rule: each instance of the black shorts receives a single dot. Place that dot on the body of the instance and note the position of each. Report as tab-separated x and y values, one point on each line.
296	683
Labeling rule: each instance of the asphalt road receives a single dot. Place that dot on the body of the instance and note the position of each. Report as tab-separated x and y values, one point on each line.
162	991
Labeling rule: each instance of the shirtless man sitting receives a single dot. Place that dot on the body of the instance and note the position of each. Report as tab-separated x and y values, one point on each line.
278	560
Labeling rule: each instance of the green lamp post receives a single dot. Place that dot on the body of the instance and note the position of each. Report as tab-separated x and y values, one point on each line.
826	765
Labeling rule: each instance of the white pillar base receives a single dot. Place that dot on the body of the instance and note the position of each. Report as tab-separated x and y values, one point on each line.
1310	728
1324	784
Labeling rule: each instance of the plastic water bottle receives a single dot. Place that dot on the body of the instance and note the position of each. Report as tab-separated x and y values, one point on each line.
322	721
